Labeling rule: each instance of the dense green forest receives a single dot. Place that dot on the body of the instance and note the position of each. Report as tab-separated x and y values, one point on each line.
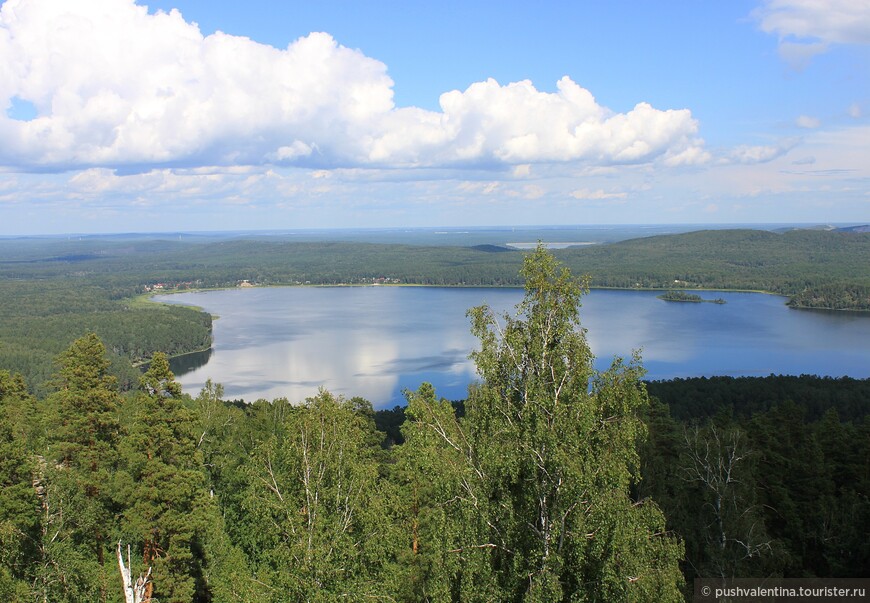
550	482
41	318
53	290
789	263
763	476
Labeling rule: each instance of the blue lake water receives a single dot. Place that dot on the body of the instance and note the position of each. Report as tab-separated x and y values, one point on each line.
376	341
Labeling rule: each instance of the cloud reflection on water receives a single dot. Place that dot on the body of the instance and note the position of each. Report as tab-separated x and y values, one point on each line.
375	341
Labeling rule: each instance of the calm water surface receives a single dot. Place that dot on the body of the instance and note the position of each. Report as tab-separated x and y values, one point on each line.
376	341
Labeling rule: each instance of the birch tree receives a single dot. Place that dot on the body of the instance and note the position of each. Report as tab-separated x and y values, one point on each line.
317	524
717	464
551	447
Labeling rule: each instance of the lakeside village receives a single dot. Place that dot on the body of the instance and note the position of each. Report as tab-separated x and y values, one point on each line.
164	286
245	283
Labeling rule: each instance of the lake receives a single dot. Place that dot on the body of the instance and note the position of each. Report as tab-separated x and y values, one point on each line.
376	341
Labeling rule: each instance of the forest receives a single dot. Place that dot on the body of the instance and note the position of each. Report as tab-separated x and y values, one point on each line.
551	482
53	289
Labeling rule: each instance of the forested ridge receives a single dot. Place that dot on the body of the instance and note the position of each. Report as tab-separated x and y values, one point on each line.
788	263
822	269
551	482
53	290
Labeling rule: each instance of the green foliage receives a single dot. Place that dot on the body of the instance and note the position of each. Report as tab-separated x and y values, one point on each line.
543	462
86	402
704	397
316	524
731	539
19	505
794	501
764	488
39	319
162	486
834	296
796	262
70	563
682	296
81	457
442	511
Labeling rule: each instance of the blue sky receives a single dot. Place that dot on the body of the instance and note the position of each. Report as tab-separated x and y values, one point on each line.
192	115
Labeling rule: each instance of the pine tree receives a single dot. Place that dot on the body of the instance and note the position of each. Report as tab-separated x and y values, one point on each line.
163	488
19	505
78	468
444	509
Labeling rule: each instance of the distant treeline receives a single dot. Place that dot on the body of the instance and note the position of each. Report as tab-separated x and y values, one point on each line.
796	264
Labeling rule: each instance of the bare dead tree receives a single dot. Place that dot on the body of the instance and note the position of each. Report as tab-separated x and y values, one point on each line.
134	592
736	530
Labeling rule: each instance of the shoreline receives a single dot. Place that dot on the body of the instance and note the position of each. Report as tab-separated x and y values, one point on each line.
143	363
148	297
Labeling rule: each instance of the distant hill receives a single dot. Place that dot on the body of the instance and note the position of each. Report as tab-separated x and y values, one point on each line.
799	263
862	228
859	228
491	248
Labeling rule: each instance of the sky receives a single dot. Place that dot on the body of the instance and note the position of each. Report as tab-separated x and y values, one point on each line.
177	115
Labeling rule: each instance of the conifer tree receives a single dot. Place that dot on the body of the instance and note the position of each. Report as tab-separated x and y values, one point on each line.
19	505
76	473
444	513
163	488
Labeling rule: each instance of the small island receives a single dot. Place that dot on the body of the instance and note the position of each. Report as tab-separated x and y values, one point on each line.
682	296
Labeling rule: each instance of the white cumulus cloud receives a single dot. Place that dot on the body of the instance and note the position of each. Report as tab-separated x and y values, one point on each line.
113	85
116	87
